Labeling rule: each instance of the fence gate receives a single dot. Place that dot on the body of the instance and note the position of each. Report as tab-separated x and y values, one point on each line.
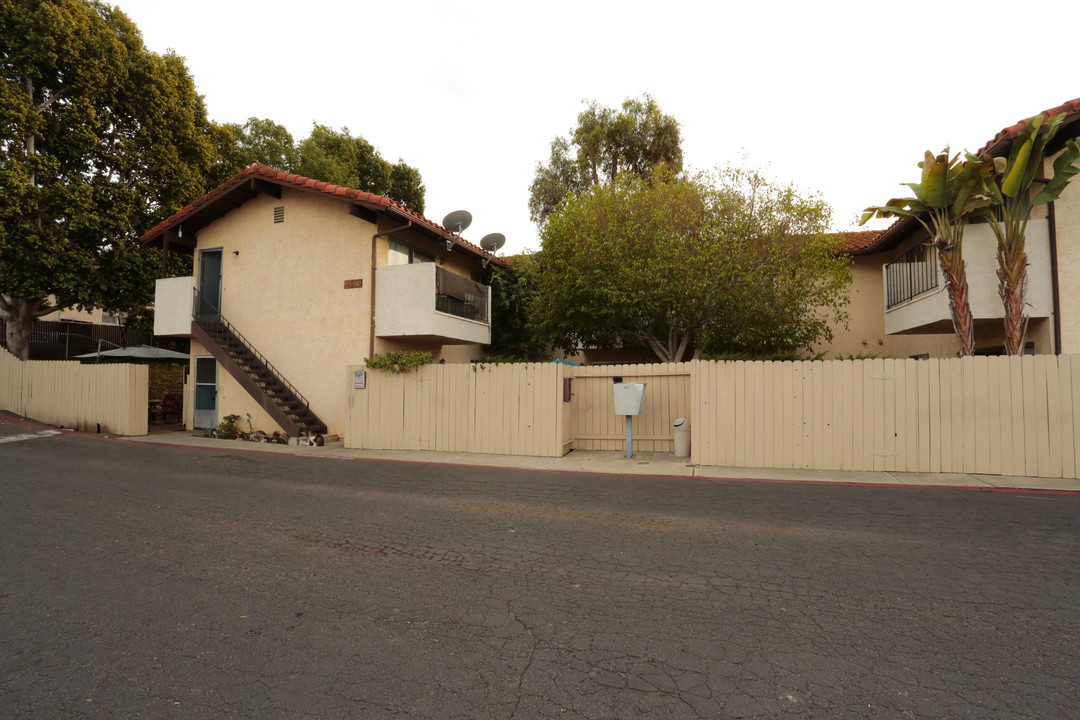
593	424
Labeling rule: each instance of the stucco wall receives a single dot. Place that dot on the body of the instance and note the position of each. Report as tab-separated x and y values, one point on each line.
980	254
1067	211
283	288
232	398
865	331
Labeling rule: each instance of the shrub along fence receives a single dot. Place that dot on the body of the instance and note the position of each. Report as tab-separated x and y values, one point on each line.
985	415
110	397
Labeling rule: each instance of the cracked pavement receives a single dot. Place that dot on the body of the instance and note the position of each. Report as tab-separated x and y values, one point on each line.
141	581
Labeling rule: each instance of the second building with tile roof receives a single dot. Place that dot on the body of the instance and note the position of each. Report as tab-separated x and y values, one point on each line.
899	306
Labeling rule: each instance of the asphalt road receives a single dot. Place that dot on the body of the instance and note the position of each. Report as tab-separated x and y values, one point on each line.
152	582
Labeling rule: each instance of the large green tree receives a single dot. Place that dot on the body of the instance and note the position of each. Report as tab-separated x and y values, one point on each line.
727	262
265	141
336	156
513	288
99	138
406	185
605	143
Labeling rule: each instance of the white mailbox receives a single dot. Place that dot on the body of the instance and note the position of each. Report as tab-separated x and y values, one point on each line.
629	398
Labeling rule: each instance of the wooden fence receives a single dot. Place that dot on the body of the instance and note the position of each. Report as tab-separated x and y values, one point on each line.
593	424
109	397
984	415
498	409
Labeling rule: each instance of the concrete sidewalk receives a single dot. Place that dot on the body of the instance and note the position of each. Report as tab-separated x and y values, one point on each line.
615	463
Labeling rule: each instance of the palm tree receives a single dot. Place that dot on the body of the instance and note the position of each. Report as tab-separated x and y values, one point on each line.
949	192
1009	215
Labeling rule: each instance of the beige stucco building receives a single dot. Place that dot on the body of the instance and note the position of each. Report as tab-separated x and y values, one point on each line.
293	280
899	307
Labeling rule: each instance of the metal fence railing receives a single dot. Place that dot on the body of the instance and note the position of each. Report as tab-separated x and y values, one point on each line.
913	274
460	296
59	340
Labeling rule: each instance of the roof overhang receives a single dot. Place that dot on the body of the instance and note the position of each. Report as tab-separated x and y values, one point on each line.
181	228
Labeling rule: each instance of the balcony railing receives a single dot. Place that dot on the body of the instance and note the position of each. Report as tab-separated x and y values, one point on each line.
913	274
457	295
425	301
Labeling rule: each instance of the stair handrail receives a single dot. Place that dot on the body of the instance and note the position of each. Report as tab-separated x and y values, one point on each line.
220	319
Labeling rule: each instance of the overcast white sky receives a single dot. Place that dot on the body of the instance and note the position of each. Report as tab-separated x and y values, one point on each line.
839	98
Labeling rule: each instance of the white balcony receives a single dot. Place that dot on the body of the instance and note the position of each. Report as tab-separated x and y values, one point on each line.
921	306
422	301
172	306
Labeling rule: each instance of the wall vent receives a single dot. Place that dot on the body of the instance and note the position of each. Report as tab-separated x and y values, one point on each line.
279	214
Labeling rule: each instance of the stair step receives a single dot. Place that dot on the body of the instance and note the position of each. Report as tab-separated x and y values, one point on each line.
267	381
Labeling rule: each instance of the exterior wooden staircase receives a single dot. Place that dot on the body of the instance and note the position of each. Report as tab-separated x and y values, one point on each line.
280	398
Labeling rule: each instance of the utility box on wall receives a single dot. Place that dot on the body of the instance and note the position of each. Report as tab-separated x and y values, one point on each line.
629	398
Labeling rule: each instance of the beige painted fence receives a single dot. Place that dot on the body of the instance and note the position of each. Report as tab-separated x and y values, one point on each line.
992	415
593	424
498	409
986	415
72	395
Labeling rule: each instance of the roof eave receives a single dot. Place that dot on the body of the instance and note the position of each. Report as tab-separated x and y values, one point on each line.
260	179
440	233
895	234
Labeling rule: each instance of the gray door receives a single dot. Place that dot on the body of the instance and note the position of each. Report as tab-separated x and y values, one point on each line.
205	392
209	306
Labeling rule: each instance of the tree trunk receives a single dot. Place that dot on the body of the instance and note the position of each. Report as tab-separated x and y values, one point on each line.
670	350
953	268
1012	287
18	315
661	350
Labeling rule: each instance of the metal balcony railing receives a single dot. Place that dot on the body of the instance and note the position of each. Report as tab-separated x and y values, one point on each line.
460	296
913	274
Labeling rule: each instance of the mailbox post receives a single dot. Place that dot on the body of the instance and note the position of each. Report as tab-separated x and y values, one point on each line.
629	399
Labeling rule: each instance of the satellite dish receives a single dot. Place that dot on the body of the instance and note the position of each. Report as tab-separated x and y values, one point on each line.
493	242
457	221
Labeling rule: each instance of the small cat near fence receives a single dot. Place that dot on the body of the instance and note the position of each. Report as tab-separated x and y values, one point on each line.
315	440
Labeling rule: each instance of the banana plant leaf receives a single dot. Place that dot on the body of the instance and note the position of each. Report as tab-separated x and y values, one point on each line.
1012	184
1066	167
934	190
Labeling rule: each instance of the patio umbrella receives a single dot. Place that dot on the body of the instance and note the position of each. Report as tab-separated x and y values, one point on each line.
140	352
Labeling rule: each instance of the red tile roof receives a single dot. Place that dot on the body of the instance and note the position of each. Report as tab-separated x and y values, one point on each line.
997	145
855	240
1002	140
258	171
